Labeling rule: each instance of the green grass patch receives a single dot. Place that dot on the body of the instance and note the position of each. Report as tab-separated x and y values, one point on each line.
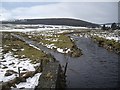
22	49
110	44
59	40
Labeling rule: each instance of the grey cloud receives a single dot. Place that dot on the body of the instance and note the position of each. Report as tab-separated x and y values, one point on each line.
99	12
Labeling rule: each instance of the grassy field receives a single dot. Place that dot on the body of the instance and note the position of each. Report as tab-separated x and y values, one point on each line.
58	40
62	41
21	62
22	50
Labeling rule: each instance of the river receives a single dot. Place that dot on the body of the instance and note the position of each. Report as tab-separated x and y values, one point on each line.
96	68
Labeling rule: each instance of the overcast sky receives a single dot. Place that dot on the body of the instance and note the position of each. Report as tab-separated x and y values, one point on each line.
96	12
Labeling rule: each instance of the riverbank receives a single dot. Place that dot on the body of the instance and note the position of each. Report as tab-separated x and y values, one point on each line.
96	68
61	43
110	40
110	45
21	63
52	77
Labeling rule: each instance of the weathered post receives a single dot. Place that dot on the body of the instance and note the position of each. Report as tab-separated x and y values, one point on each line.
65	68
41	65
19	72
66	65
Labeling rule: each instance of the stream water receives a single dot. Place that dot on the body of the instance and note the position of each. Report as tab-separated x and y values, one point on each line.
96	68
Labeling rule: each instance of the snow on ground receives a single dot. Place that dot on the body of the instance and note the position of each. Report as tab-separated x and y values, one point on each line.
63	50
34	46
108	35
31	82
52	46
46	34
114	38
60	50
11	63
82	35
37	27
24	30
114	35
62	31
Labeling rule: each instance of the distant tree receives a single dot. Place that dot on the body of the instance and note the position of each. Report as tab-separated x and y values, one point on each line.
114	26
118	26
104	27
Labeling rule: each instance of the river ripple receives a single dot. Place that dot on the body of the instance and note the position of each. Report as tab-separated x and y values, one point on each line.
96	68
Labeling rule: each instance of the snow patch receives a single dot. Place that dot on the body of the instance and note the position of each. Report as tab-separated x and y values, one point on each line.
31	82
60	50
11	63
34	46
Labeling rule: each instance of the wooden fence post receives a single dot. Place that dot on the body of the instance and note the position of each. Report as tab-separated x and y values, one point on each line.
65	68
19	71
41	65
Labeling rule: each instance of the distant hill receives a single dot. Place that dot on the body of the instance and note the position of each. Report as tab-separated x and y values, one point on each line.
109	23
54	21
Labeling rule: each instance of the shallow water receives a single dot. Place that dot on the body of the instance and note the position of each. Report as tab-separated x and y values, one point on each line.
96	68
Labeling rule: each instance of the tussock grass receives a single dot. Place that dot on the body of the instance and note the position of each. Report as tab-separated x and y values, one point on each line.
22	49
62	41
109	44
